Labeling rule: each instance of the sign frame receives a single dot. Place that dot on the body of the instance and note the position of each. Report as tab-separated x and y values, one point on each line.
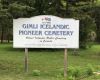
53	38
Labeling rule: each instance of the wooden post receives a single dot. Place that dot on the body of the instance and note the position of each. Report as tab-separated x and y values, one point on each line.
26	59
65	64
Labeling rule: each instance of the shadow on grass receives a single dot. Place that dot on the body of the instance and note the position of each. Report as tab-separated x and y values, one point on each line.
9	47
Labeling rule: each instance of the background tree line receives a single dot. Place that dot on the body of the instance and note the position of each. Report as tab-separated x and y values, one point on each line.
87	11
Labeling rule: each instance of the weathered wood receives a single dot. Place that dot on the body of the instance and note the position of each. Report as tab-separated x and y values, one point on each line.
26	59
65	64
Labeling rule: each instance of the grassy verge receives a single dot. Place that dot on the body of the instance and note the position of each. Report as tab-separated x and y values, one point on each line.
48	62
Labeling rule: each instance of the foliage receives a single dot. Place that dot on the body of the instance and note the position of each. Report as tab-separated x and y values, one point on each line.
48	63
5	23
87	26
36	73
96	15
18	10
85	10
77	73
74	72
89	70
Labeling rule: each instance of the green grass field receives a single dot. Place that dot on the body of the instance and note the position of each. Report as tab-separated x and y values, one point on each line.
48	62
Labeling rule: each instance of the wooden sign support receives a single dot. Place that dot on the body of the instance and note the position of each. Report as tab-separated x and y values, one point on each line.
26	59
65	64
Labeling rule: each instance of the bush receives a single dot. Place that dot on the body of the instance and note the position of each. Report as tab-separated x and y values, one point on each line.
71	78
36	73
70	71
89	70
74	72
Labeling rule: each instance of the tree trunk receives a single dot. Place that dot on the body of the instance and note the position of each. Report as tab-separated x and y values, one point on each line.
8	35
2	35
8	38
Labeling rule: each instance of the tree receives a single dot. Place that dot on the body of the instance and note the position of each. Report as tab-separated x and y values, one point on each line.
18	10
78	9
5	23
96	15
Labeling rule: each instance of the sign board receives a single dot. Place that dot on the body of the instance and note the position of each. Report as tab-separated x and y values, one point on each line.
45	31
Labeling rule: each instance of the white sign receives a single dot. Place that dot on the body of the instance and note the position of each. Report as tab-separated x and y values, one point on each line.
45	31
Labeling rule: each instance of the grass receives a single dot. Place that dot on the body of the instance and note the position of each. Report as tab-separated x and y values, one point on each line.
48	62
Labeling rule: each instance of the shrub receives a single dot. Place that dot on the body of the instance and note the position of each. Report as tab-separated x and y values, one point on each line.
89	70
71	78
36	73
70	71
75	72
